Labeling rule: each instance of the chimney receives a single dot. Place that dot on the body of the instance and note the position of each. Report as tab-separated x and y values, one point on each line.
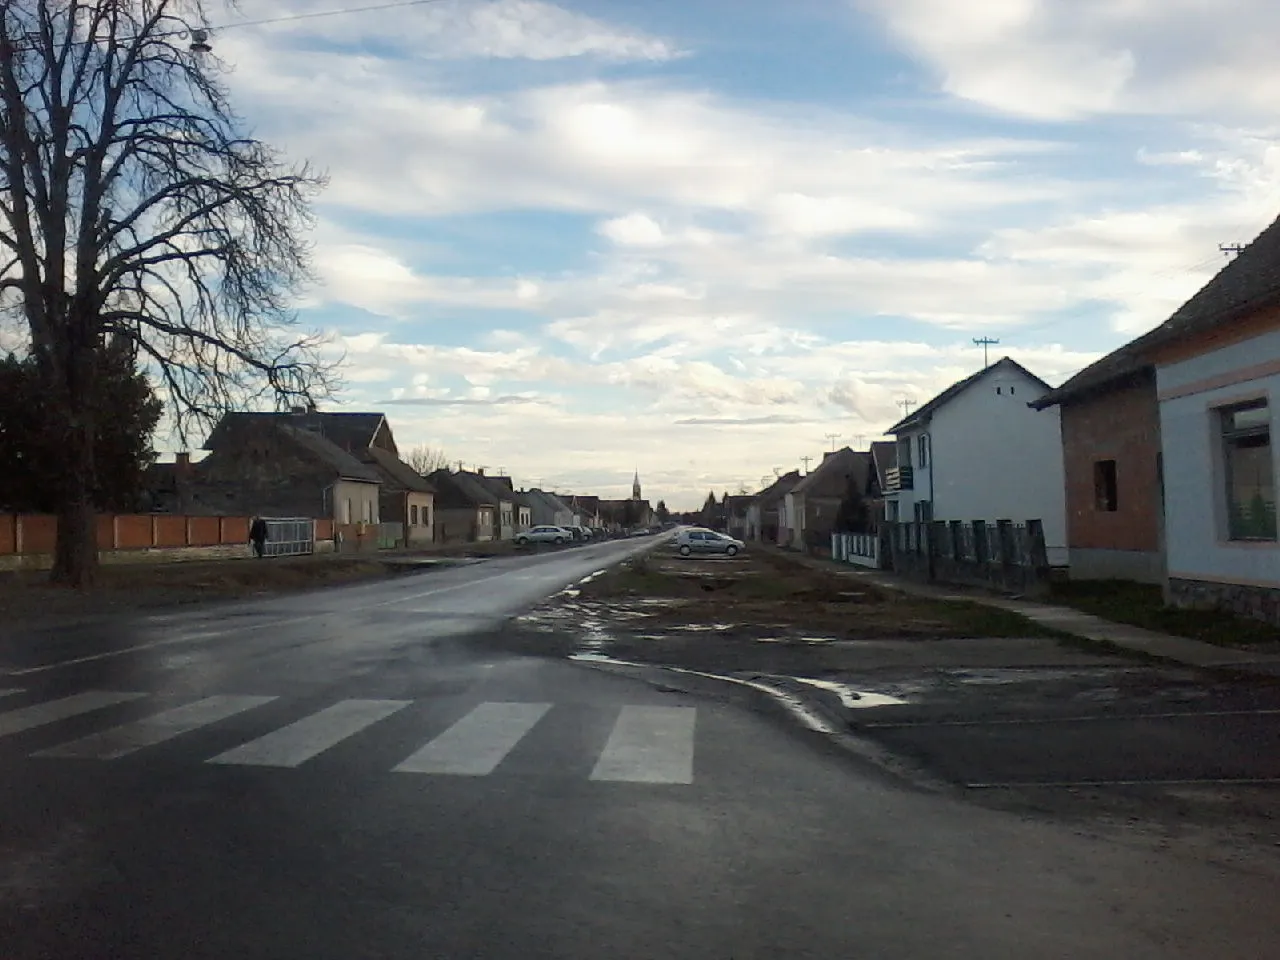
182	464
480	470
298	411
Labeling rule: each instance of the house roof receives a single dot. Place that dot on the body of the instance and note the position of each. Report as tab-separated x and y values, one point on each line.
351	431
925	413
547	501
884	454
344	464
828	477
461	489
1249	283
779	488
395	473
495	485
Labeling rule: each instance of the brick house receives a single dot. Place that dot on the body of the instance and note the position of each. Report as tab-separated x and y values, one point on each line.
273	465
1111	468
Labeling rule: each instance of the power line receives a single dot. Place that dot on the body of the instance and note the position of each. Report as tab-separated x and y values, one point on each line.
327	13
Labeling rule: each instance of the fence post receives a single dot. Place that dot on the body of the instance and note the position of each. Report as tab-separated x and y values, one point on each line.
980	551
155	536
957	540
115	531
186	539
1036	546
1004	529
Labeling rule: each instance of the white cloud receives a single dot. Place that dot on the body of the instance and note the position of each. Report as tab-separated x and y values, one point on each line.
1067	59
498	29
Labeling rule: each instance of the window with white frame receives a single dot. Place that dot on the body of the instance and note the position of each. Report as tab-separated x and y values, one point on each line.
923	444
1248	471
413	514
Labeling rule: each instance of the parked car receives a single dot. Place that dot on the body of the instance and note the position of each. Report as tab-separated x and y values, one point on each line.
696	540
544	535
586	533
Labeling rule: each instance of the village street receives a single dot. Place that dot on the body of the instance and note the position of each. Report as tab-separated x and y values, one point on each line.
395	770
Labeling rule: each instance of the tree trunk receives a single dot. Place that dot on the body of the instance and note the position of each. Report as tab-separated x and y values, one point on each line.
75	560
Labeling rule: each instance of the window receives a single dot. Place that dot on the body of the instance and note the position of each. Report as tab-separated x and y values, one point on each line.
997	389
346	510
904	452
1248	472
1105	495
924	450
413	515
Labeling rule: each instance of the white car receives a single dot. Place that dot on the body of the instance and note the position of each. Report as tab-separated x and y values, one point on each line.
544	535
697	540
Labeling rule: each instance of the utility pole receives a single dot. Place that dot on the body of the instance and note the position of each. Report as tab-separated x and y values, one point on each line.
805	461
1231	249
984	343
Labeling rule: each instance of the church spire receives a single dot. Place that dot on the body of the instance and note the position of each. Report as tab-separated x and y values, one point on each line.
635	487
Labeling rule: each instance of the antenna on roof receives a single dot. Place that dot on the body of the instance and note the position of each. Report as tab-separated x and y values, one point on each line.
906	404
831	439
984	342
1231	249
805	461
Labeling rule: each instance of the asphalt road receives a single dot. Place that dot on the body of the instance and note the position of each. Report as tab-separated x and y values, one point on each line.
363	772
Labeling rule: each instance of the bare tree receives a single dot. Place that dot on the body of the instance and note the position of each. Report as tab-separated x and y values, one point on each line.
133	208
425	460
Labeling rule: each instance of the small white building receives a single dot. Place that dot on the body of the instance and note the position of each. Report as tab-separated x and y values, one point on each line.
978	451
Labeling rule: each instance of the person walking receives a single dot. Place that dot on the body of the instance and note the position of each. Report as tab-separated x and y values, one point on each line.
258	536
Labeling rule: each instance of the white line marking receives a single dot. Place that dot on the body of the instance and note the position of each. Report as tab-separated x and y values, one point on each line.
300	741
186	638
16	721
125	739
11	692
649	745
1063	784
850	697
476	744
792	704
1094	718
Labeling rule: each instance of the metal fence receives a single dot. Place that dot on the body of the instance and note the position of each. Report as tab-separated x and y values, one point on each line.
289	537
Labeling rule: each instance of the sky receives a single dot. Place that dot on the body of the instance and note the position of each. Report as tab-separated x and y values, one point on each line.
575	240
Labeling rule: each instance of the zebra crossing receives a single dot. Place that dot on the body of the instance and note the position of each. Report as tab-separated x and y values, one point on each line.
645	744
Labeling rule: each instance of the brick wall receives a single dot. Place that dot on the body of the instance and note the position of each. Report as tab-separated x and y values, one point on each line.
1121	425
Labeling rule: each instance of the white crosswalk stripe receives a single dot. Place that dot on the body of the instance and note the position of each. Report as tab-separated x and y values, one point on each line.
28	718
649	745
298	742
476	744
149	731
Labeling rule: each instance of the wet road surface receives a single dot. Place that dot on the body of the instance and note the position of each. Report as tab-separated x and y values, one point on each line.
364	772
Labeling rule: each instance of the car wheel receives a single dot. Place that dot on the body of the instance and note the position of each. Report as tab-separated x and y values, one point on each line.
559	540
731	551
522	541
685	551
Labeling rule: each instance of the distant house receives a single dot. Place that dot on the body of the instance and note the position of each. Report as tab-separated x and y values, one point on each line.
546	509
406	498
979	451
587	509
1169	445
276	464
504	493
737	510
762	513
465	511
812	505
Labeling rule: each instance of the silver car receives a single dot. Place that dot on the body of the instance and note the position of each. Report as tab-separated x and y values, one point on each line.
689	542
544	535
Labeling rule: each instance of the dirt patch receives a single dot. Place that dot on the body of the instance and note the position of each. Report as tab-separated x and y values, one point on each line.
770	596
28	595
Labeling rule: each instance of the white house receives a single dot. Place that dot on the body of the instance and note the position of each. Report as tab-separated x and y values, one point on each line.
977	451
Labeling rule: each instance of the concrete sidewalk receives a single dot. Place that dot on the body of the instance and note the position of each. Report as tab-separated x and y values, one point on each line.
1192	653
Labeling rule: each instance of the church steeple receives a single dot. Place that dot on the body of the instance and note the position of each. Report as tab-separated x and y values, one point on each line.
635	487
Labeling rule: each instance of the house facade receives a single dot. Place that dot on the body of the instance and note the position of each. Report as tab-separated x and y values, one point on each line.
405	497
979	451
1111	446
546	509
465	511
812	506
763	513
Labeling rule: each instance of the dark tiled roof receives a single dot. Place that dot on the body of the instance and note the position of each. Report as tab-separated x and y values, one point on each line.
501	490
1249	283
779	488
348	431
461	490
828	477
395	473
884	453
924	413
346	466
